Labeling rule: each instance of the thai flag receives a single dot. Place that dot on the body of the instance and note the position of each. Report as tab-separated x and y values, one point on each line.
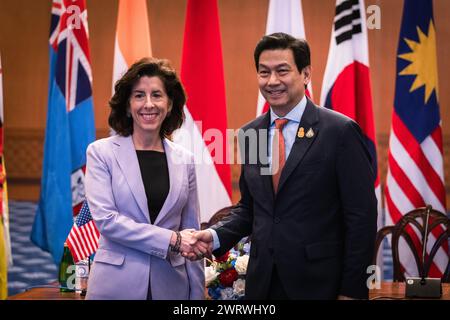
70	126
83	238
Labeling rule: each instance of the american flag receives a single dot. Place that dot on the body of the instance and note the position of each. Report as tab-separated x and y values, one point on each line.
416	174
83	238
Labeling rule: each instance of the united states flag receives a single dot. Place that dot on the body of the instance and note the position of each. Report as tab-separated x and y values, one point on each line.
416	176
83	238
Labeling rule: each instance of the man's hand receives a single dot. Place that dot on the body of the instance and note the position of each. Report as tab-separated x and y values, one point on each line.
187	240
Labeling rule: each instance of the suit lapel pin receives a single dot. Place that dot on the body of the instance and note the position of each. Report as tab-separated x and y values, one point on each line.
301	132
310	133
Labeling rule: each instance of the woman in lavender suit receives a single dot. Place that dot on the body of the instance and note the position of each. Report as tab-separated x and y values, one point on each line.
141	190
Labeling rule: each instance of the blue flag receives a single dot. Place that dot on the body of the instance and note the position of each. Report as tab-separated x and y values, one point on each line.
70	127
416	99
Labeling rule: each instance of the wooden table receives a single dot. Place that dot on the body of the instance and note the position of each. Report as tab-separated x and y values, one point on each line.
396	291
388	290
46	293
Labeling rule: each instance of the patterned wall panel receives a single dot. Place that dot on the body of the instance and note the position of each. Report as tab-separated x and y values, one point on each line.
24	150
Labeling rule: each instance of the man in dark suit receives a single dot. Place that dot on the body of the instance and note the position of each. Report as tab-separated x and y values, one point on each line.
313	218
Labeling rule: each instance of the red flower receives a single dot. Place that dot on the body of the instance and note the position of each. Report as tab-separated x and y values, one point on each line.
227	277
223	258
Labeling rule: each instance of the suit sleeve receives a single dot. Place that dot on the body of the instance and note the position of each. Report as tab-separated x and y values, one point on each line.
190	219
239	223
356	186
110	222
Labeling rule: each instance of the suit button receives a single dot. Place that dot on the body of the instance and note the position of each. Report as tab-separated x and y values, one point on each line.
276	220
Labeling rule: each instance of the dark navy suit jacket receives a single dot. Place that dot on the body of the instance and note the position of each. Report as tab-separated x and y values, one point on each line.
319	230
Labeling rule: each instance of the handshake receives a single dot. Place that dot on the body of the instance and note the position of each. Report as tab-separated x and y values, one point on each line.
192	244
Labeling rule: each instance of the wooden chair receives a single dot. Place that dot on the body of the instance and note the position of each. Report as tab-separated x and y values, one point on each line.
219	215
438	224
216	217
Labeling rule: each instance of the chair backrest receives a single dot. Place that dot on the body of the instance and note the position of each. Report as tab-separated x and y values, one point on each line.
219	215
415	228
216	217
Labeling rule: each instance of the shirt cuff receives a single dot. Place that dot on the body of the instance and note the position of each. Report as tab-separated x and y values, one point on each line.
216	242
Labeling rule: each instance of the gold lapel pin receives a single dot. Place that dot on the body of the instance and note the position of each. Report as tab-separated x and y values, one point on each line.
310	133
301	132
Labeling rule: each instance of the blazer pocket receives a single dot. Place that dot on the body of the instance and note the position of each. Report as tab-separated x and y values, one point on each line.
323	250
176	260
109	257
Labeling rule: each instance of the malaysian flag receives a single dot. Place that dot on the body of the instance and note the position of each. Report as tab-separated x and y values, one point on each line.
70	126
416	176
83	238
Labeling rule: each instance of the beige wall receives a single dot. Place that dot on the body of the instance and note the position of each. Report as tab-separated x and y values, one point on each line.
24	26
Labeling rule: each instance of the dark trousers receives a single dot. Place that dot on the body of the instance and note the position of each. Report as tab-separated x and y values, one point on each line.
276	290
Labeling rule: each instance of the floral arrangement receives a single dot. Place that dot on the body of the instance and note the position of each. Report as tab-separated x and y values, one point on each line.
225	275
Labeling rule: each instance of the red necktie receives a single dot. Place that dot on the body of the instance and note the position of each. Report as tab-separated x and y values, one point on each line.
278	152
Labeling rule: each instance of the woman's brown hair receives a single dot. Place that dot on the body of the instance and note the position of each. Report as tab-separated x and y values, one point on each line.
121	122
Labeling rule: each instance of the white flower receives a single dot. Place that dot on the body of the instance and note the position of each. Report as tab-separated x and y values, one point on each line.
241	264
239	286
210	275
226	294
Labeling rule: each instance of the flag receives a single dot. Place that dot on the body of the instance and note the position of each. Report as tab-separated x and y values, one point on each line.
346	86
132	41
70	127
5	243
83	238
204	130
415	176
284	16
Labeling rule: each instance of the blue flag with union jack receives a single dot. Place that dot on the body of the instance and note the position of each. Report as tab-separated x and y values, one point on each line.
416	172
70	127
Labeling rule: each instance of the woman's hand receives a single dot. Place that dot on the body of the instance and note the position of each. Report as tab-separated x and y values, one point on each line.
188	240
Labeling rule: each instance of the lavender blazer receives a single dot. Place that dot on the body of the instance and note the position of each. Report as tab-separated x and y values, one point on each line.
131	249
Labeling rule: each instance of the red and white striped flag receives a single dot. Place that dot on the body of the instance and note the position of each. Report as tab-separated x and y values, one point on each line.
346	86
416	172
83	238
132	40
284	16
204	130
